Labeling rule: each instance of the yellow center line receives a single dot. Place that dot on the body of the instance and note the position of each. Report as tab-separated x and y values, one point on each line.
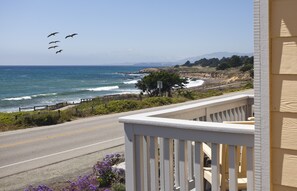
47	137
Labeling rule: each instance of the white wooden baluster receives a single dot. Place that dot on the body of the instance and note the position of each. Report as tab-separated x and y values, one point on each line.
146	181
183	165
232	115
233	168
228	117
198	167
243	113
190	160
207	115
211	117
139	162
236	114
176	163
168	164
250	167
154	167
130	152
239	114
215	166
249	111
162	178
224	117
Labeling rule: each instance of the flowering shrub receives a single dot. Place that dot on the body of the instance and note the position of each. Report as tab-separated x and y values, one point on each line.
114	158
84	183
104	175
39	188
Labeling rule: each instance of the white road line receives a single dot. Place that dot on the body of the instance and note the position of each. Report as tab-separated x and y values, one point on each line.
62	152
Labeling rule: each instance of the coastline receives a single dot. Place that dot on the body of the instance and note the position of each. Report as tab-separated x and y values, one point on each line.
67	104
213	84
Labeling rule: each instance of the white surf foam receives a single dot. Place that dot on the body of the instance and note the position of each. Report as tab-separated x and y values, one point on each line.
106	88
17	98
44	95
131	82
193	83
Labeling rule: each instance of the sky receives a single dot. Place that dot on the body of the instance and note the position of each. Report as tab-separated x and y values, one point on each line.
122	31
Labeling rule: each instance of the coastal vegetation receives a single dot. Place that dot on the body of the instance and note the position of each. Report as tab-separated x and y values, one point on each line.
244	63
107	105
218	79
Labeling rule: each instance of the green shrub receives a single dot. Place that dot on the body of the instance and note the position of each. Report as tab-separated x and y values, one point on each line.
122	105
118	187
156	101
186	94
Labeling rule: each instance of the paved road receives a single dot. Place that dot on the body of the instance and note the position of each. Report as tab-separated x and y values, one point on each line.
27	149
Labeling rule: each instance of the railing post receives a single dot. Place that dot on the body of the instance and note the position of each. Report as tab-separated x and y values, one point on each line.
198	166
130	154
139	165
154	167
183	165
146	163
168	163
233	168
215	167
176	163
207	114
250	167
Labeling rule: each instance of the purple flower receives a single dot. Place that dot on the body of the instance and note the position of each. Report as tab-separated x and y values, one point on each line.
87	183
39	188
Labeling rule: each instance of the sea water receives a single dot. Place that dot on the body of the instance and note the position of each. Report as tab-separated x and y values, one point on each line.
23	86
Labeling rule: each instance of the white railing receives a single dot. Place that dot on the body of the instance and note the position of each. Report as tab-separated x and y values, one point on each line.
165	149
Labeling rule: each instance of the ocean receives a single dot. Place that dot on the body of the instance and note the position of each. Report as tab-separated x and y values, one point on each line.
24	86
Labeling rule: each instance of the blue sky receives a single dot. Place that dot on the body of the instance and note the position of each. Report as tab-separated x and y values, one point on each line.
121	32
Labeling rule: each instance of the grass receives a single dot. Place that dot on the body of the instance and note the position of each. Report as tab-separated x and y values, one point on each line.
102	106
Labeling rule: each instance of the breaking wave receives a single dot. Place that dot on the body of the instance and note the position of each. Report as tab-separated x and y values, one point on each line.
131	82
17	98
105	88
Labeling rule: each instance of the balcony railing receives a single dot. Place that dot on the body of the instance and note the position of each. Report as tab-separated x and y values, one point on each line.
165	149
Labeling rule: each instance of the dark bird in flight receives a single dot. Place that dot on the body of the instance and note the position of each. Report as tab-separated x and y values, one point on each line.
59	51
71	35
52	47
52	34
53	42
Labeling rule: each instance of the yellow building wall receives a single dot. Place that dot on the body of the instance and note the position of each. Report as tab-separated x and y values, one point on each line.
283	87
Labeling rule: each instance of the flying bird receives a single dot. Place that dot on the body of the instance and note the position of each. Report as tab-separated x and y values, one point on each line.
59	51
71	35
52	47
53	42
52	34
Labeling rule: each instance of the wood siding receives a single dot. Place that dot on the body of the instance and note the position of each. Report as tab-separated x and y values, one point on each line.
283	91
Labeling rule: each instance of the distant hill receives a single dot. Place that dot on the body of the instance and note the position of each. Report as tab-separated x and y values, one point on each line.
218	55
156	64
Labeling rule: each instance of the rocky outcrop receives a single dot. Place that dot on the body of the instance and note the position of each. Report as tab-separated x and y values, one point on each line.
149	70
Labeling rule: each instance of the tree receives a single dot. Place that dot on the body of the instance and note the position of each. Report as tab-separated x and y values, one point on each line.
188	63
235	61
223	66
148	83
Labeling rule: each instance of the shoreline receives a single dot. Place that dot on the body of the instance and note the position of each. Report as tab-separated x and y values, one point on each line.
66	104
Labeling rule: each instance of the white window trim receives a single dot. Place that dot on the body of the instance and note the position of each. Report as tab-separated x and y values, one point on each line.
262	96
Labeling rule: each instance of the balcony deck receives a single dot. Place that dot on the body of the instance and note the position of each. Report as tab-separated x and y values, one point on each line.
164	149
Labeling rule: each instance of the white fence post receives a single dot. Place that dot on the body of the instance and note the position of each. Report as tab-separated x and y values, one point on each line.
130	155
